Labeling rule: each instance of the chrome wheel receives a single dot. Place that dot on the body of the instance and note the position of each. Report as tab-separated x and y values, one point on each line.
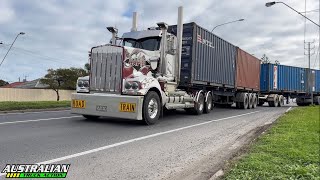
153	108
201	103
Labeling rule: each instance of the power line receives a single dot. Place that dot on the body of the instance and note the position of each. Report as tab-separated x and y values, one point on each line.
32	53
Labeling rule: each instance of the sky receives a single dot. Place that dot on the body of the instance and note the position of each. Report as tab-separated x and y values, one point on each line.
59	33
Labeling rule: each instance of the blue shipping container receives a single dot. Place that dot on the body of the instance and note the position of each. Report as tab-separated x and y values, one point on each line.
317	81
281	78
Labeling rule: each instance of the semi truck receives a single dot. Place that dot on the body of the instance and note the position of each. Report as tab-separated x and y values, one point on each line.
183	66
280	81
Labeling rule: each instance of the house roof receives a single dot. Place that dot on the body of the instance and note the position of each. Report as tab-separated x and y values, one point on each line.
32	84
12	85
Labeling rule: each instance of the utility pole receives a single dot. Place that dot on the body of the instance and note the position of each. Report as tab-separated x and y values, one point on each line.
310	79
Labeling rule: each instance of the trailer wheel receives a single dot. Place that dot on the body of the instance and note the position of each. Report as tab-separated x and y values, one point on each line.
250	100
90	117
275	101
208	104
281	101
255	101
199	105
245	103
151	108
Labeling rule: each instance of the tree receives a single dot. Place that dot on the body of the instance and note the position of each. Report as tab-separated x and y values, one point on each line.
3	83
63	79
87	67
265	59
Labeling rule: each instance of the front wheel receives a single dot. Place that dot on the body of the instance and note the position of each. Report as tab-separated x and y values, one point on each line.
151	108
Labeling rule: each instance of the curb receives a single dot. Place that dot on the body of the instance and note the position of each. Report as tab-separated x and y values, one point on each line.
33	110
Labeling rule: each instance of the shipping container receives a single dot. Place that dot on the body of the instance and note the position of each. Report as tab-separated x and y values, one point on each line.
317	81
248	71
280	78
206	58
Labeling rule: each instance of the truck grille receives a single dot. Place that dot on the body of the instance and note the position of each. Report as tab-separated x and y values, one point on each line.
106	66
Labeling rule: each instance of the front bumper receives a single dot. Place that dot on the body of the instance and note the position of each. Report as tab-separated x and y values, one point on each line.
111	104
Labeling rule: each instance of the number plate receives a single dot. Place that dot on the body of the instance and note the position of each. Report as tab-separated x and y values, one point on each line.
76	103
127	107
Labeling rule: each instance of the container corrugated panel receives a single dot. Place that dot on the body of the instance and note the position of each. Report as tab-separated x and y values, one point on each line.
248	71
281	78
206	58
317	81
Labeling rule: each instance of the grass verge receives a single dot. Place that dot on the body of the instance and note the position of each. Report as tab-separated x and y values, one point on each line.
8	106
289	150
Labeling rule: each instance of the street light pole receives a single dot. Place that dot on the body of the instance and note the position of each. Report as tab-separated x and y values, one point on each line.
273	3
227	23
21	33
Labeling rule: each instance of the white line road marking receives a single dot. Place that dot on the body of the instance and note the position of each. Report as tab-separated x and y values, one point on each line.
288	109
3	114
36	120
137	139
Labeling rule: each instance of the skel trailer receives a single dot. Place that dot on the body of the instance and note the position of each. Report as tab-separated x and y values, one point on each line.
279	81
183	66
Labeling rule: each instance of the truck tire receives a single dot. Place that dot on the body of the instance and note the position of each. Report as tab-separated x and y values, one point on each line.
255	101
245	103
208	104
151	108
281	101
199	106
275	101
250	100
90	117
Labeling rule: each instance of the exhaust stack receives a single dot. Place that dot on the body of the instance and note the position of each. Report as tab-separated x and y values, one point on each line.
134	21
179	43
163	61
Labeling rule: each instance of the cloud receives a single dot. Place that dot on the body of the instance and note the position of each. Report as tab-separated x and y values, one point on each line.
6	12
59	33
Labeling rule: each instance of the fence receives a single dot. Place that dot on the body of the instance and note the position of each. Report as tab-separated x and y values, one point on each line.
15	94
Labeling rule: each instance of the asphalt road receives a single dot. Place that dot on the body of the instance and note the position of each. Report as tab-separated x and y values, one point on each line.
180	146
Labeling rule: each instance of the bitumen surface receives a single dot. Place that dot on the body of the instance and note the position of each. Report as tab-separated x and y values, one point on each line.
179	146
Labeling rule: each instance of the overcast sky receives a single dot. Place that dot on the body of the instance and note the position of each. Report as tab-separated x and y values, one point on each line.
59	33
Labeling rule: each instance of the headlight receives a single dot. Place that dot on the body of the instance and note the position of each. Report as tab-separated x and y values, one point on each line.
132	86
135	85
80	83
128	85
86	84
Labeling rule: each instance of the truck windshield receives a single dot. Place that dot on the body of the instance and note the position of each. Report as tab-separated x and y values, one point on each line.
151	44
